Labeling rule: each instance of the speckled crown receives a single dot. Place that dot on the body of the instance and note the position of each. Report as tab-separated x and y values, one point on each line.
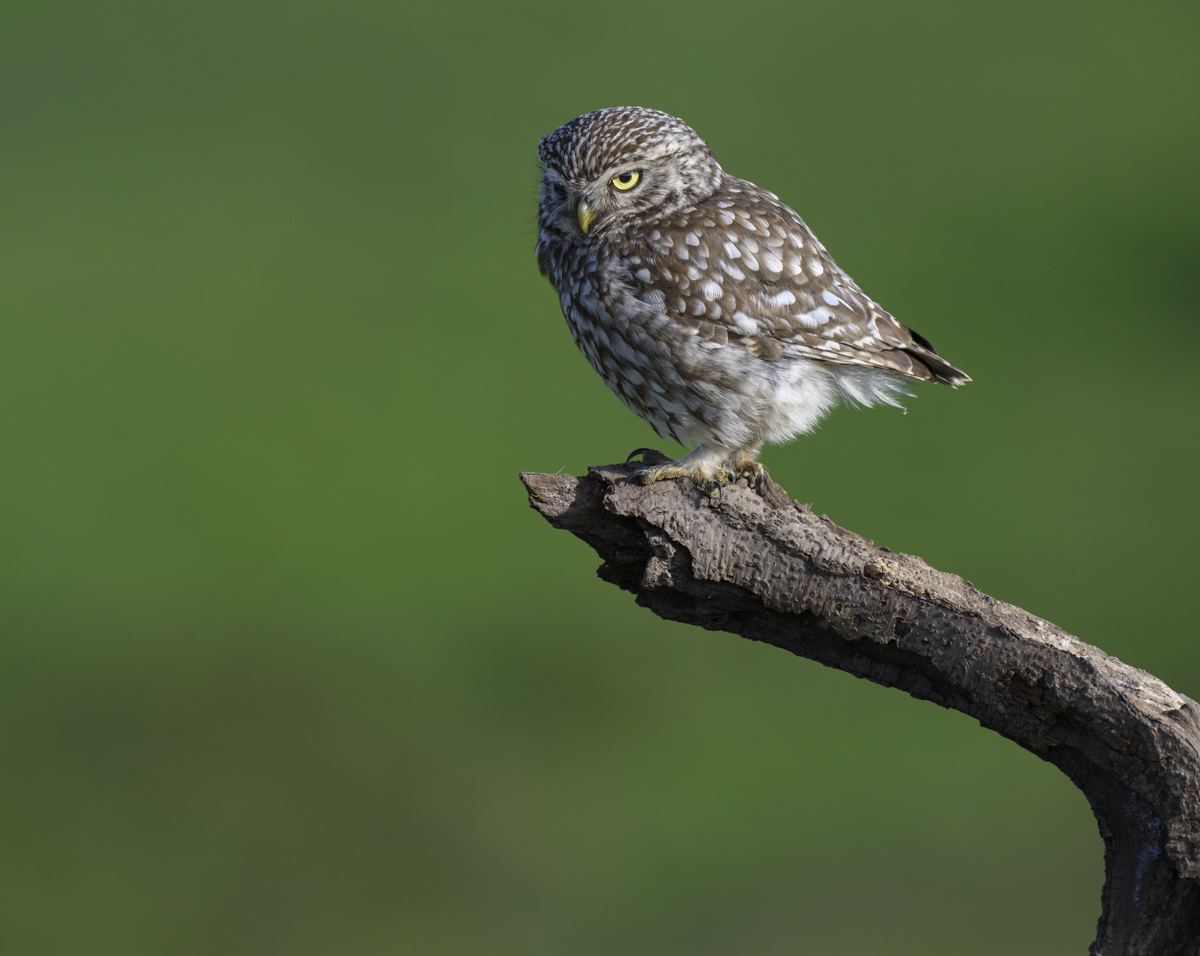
595	142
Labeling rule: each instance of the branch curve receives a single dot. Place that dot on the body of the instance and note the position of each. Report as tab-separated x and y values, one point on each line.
757	564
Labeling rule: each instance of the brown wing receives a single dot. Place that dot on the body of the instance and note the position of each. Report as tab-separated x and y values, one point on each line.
742	267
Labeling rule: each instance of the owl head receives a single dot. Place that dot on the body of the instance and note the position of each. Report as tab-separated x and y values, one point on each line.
608	169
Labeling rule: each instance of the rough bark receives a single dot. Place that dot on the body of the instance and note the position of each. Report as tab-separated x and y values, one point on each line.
757	564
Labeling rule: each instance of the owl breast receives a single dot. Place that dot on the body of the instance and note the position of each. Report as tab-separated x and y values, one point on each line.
643	319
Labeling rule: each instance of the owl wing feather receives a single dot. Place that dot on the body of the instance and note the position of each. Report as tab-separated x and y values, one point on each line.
742	268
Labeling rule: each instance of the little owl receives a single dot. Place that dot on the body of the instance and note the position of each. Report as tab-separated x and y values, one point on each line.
705	303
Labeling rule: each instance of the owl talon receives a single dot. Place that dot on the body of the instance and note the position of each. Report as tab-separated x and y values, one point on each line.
752	471
650	456
713	488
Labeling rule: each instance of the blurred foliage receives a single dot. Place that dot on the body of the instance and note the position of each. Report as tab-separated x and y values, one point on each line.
289	667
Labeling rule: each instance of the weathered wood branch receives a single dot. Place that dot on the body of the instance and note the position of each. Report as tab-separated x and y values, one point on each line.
760	565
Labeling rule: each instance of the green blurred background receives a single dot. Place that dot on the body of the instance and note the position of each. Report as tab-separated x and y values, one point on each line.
289	666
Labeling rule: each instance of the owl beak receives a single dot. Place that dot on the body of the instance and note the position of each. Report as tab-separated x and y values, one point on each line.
587	215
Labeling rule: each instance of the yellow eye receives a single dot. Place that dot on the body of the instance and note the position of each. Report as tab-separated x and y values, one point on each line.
626	181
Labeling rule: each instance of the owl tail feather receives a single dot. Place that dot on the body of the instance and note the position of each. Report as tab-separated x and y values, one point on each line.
925	359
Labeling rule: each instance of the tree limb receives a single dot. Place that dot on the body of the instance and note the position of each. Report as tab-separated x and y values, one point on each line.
760	565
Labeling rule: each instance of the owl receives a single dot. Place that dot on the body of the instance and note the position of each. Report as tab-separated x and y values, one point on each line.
705	303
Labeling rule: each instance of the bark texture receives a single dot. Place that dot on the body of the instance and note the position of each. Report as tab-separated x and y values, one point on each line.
757	564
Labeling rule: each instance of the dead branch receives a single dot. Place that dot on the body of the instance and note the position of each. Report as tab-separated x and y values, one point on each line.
757	564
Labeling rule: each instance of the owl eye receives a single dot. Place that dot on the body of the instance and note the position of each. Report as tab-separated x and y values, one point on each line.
626	181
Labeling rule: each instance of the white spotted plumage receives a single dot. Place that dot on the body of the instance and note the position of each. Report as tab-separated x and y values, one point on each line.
704	302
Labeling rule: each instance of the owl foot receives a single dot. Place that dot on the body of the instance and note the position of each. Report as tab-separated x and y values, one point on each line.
707	472
709	483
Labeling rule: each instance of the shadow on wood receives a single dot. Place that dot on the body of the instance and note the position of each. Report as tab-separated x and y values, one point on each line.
757	564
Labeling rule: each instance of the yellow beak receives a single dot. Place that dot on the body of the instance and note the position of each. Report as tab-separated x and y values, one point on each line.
587	215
